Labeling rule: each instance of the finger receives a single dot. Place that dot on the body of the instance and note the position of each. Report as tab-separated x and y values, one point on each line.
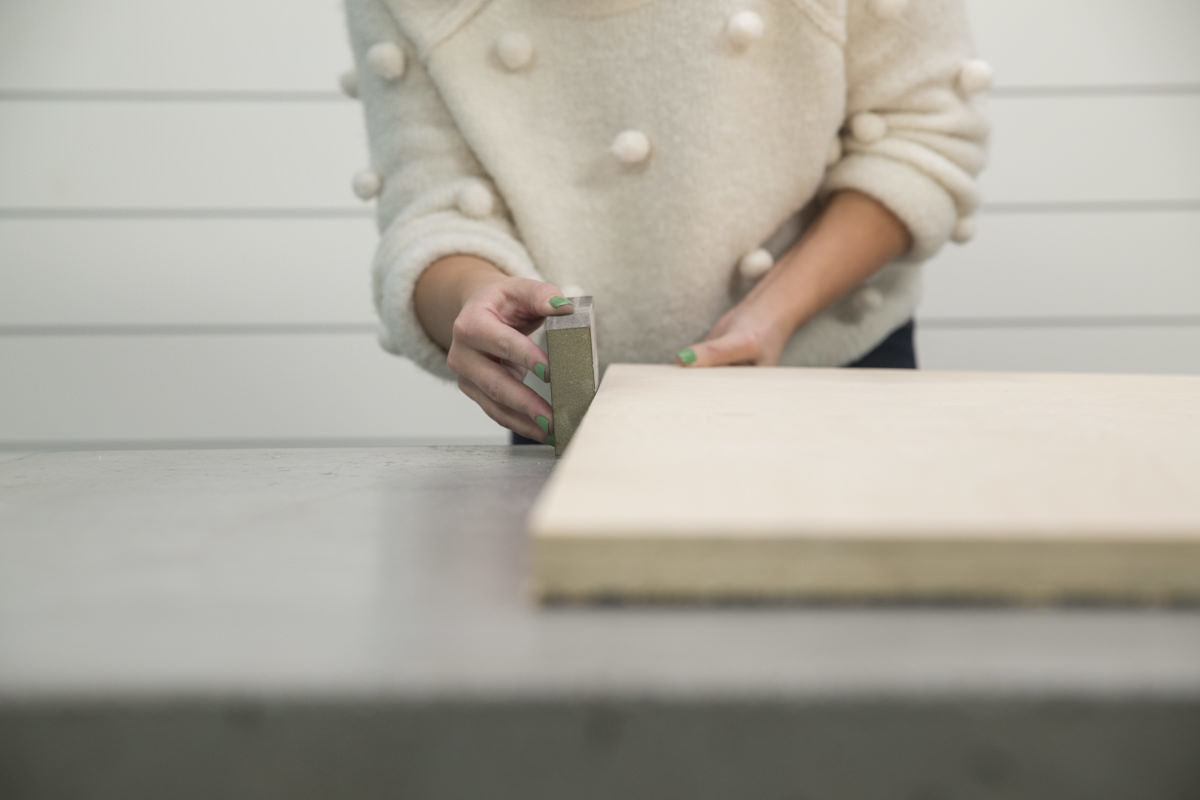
722	351
489	334
538	298
520	373
505	417
498	384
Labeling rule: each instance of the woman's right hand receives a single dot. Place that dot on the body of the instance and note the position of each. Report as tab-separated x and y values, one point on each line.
483	318
490	351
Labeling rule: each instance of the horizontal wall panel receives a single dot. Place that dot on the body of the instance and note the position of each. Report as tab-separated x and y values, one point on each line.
126	388
147	389
317	272
172	45
1113	43
205	155
1070	265
186	272
1093	149
179	155
1168	350
230	45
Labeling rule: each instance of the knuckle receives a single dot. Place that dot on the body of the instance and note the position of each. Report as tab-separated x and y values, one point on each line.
504	348
491	387
711	352
463	327
454	361
480	381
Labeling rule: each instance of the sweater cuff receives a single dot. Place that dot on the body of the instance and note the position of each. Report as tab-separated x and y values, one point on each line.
925	207
406	251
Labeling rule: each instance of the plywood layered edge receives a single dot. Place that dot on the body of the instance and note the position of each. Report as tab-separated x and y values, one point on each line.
647	568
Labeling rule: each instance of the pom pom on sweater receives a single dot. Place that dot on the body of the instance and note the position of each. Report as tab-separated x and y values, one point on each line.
834	153
387	59
367	184
515	50
866	299
868	127
348	81
756	263
975	76
964	230
745	27
476	200
631	147
888	9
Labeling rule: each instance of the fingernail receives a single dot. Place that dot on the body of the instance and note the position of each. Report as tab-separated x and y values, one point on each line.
559	302
539	369
686	356
543	423
550	440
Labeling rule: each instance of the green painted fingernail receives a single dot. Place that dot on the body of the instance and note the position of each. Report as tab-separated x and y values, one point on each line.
543	423
687	355
550	440
539	369
559	302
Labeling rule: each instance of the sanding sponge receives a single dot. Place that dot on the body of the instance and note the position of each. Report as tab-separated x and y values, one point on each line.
574	368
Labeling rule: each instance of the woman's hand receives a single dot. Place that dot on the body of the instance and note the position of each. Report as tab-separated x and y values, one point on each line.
752	333
483	318
491	351
853	237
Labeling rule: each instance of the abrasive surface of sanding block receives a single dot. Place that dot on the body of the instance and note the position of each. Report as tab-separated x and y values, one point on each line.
574	368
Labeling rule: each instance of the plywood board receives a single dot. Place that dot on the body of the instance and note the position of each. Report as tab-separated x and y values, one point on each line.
746	483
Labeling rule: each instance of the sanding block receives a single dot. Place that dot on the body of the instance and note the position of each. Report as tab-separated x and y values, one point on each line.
574	368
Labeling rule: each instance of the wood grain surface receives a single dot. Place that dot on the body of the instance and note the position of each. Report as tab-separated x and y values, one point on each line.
735	482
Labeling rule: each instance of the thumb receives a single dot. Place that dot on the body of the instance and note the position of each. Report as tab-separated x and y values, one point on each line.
543	299
721	351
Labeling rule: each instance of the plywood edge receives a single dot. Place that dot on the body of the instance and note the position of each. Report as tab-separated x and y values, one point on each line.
658	569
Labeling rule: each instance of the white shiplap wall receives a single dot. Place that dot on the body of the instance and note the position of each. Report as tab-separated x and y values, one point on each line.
181	259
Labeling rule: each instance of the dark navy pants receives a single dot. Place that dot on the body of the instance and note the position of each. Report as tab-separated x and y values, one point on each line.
897	351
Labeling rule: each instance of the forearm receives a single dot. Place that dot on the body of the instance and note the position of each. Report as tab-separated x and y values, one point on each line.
853	238
444	287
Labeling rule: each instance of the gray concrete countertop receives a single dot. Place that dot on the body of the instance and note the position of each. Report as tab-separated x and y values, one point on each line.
268	606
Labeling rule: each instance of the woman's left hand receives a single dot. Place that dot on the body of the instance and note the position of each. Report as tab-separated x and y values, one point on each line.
751	333
853	237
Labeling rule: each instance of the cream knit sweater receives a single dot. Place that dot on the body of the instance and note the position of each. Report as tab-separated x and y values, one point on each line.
659	154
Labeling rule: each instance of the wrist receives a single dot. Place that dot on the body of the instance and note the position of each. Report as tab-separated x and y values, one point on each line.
784	299
850	240
443	289
778	308
468	274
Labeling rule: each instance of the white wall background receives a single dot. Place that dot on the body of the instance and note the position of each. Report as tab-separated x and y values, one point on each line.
181	260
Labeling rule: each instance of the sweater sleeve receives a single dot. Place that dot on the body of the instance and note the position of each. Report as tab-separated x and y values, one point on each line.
433	196
915	139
